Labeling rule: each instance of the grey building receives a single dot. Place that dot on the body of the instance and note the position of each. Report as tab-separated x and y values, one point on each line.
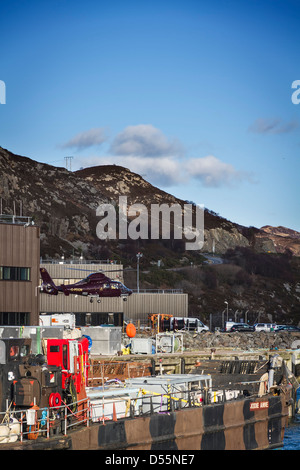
19	271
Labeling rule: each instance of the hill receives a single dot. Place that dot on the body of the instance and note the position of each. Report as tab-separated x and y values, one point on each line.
64	204
283	238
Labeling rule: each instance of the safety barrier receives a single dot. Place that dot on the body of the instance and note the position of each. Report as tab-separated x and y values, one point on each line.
42	422
46	422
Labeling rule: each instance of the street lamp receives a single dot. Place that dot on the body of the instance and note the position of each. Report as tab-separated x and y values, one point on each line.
226	308
138	256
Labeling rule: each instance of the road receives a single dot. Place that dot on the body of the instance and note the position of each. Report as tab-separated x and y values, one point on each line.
212	259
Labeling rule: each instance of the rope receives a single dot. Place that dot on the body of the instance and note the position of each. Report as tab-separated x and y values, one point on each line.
74	414
169	397
6	416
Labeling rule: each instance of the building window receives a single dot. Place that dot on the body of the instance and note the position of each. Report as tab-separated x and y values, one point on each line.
65	357
96	319
14	318
12	273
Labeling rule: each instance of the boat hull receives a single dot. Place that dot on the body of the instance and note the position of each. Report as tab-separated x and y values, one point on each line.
242	424
237	425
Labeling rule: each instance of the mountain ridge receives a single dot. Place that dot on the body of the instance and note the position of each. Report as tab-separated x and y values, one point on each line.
64	203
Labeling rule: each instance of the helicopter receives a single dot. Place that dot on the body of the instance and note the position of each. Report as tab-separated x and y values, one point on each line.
95	285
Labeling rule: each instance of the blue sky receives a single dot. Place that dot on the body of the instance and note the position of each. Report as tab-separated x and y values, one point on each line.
193	95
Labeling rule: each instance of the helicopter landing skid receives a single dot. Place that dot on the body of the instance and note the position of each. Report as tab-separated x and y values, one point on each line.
92	300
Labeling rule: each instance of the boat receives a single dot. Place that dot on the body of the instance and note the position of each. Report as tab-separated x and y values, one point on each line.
49	406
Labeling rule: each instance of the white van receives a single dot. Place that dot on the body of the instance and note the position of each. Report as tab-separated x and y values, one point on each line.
188	323
264	326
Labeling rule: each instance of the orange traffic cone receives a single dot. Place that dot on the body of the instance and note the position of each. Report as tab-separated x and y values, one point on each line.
114	412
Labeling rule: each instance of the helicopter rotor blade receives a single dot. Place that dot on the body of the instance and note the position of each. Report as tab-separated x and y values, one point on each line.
96	271
101	270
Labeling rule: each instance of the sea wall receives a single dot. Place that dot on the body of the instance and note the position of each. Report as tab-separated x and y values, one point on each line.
244	341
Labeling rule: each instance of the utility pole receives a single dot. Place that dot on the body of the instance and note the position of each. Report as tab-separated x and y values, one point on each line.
226	308
69	163
138	256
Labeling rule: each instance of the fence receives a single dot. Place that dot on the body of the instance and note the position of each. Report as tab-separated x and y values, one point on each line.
78	261
218	320
158	291
34	422
15	219
47	422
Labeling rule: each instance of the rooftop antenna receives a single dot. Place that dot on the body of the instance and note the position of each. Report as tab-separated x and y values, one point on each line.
69	163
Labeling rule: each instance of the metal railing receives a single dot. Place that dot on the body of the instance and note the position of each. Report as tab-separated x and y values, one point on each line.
43	422
158	291
30	424
15	219
78	261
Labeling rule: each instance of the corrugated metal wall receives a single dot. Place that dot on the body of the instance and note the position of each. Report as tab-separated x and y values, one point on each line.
62	304
138	306
20	247
80	271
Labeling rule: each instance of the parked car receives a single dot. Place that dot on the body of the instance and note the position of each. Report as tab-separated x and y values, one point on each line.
242	327
287	328
277	327
264	326
229	325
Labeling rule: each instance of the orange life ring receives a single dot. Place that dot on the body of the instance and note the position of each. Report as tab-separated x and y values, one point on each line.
54	400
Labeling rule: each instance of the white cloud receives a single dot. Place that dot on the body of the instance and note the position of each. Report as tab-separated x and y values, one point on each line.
213	172
164	171
87	139
169	171
145	150
273	126
144	140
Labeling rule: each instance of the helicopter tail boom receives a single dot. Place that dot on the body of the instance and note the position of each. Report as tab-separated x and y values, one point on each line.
48	285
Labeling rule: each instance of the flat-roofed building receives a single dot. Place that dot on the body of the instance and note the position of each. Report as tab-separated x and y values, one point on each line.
19	271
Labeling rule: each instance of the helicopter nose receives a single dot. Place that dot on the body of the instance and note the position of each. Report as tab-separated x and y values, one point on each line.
126	290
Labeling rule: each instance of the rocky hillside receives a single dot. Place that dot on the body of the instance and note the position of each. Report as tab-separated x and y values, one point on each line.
253	276
64	203
283	238
60	202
